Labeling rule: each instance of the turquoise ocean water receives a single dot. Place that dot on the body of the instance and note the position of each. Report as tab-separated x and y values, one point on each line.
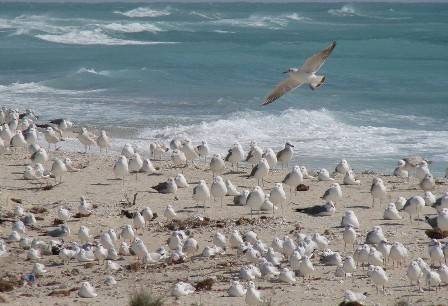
155	71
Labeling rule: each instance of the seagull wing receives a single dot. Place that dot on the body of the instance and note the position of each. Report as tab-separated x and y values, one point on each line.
316	61
282	88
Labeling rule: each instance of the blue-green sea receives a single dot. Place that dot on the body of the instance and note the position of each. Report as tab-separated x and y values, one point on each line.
155	71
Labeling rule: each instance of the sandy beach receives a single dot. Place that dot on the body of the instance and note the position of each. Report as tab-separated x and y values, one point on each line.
96	182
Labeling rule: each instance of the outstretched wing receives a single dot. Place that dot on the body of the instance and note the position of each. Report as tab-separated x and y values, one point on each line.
316	61
282	88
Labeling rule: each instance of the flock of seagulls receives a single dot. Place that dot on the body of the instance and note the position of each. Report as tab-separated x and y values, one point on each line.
284	259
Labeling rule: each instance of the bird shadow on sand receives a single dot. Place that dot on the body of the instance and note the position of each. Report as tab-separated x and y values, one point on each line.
18	165
358	206
392	224
234	172
185	210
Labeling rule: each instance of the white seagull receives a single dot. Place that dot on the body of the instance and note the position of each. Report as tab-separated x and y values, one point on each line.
303	75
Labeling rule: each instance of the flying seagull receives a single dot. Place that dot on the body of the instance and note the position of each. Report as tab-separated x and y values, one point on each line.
303	75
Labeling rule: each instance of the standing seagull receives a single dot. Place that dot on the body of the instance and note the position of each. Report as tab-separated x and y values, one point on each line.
303	75
260	170
285	155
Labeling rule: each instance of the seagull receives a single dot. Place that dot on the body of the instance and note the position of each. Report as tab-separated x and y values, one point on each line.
260	171
236	289
138	222
202	150
303	75
235	154
432	278
135	164
51	137
40	156
127	233
69	165
441	202
178	158
103	141
375	257
18	140
351	297
277	195
83	234
330	258
361	254
60	232
333	193
166	187
86	138
189	150
414	206
285	155
413	161
349	235
442	220
427	183
241	199
342	168
84	208
148	167
181	181
306	267
271	157
435	252
39	269
414	273
255	199
305	173
350	179
255	154
422	169
218	188
378	190
190	246
401	171
350	219
121	167
217	164
231	189
293	178
201	192
253	296
391	213
128	150
324	175
398	253
169	213
328	209
375	236
429	198
287	276
87	290
58	169
400	202
235	239
182	289
349	265
378	276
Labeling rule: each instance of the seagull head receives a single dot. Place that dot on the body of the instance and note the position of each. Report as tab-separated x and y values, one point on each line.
291	70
